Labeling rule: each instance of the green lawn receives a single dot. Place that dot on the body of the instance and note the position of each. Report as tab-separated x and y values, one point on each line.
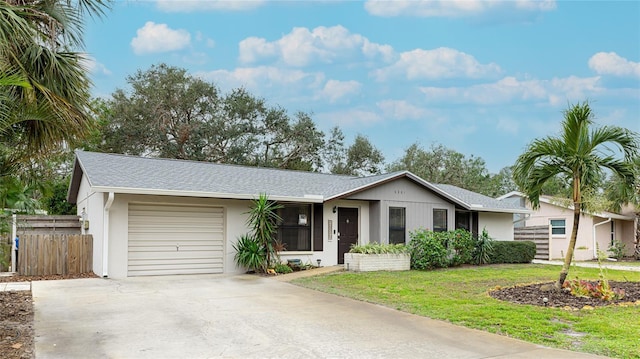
459	295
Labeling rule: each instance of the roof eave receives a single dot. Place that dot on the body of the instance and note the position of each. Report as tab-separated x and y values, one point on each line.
501	210
242	196
74	184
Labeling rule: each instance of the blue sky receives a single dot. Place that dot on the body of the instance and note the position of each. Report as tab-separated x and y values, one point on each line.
482	77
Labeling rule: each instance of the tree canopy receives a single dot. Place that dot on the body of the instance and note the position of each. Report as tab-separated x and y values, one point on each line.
170	113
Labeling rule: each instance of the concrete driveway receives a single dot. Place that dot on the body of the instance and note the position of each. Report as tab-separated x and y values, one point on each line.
242	317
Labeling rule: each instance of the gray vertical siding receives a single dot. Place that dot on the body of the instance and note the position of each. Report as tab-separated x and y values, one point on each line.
418	201
374	221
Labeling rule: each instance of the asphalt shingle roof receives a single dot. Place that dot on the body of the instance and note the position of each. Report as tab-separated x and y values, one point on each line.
479	201
115	171
132	174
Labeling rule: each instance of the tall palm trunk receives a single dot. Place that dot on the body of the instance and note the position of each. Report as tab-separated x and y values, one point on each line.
577	203
572	245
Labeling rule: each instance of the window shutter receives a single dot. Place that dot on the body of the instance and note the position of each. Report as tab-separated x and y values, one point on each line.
317	227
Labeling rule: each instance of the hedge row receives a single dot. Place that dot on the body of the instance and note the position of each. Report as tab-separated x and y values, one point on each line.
512	252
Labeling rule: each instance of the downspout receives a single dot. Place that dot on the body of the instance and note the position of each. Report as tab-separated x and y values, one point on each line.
105	235
595	247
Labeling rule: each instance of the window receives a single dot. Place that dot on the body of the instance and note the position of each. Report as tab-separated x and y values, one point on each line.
463	220
294	231
558	226
439	220
397	225
613	232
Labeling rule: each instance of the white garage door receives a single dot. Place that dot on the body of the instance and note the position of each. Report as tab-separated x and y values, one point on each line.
167	239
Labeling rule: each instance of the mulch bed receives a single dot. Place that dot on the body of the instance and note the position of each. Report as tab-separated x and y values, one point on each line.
533	294
16	325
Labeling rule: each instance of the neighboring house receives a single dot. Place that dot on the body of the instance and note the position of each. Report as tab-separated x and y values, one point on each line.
595	230
158	216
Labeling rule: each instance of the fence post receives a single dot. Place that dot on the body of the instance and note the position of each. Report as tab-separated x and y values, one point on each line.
14	233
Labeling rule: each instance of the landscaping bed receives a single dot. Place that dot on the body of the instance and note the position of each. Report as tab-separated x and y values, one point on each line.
533	294
16	325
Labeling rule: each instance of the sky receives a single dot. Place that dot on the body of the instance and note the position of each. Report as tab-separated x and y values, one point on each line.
484	78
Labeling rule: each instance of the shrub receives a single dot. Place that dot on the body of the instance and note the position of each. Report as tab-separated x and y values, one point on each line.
250	253
377	248
5	256
513	252
282	268
483	249
618	249
460	245
599	289
427	250
431	250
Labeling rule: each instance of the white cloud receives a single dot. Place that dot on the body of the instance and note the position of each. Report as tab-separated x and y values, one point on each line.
439	63
208	5
400	110
302	47
335	90
94	67
263	77
452	8
154	38
610	63
556	91
253	48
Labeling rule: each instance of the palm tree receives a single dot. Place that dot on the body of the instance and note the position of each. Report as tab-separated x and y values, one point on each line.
581	153
44	83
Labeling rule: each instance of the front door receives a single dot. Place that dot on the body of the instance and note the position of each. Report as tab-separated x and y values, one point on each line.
347	231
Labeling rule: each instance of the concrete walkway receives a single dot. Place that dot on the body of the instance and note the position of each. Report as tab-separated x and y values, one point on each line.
244	316
592	265
14	286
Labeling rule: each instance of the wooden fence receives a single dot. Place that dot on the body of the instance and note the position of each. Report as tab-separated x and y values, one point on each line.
28	224
46	254
537	234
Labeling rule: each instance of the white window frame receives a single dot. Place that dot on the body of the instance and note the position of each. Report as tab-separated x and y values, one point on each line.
433	219
552	227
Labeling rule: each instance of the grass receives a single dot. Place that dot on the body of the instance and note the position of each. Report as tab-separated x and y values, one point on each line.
460	296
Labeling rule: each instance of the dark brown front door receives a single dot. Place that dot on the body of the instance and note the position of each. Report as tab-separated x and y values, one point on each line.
347	231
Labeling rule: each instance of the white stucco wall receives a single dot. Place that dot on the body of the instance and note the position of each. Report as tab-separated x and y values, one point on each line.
235	226
585	247
235	219
92	203
498	225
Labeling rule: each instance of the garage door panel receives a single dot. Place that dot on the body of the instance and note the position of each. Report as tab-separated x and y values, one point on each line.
175	262
182	246
171	255
166	239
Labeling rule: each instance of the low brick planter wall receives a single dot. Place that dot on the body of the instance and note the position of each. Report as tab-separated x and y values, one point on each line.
358	262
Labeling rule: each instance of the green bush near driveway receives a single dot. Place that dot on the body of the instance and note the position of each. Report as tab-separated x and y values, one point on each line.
460	296
512	252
